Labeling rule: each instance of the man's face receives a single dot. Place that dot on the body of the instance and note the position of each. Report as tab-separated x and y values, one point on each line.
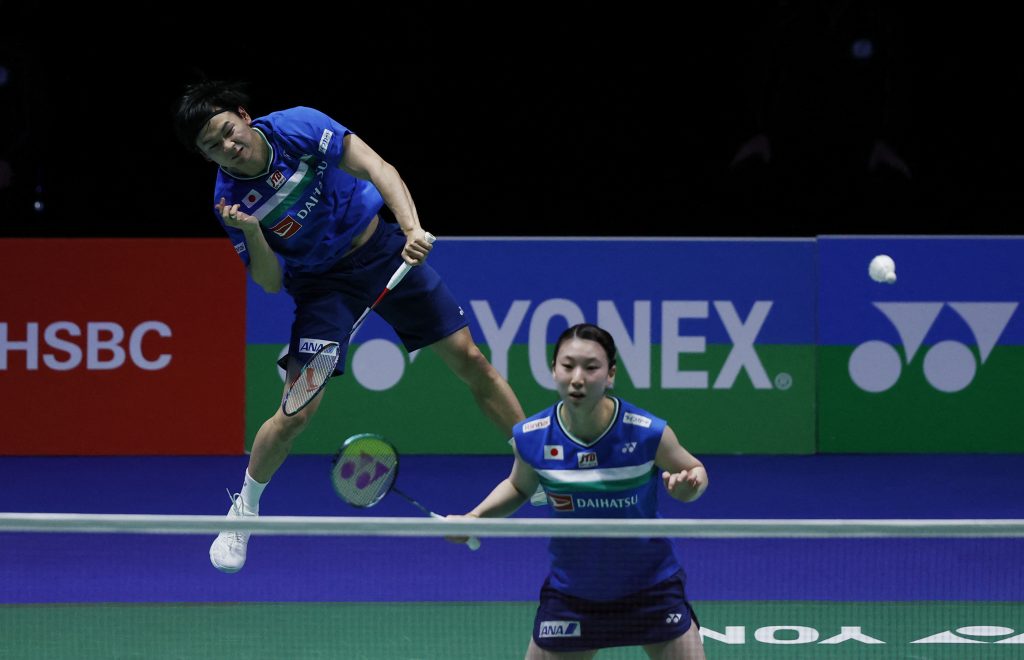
229	140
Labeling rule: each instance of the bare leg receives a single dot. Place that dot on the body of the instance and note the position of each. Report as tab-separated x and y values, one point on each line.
491	392
687	646
534	652
275	438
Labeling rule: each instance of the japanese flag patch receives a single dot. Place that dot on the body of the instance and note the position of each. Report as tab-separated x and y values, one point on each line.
554	452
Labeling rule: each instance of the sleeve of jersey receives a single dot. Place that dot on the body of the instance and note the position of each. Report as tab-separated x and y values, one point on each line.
646	429
309	131
522	445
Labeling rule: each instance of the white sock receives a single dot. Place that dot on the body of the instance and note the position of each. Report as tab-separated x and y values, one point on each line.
251	492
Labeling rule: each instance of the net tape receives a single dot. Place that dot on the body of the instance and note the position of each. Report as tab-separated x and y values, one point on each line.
517	527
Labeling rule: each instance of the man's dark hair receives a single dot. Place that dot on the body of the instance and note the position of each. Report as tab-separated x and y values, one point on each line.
203	100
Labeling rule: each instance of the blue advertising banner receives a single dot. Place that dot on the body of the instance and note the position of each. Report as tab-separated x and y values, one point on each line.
716	335
931	362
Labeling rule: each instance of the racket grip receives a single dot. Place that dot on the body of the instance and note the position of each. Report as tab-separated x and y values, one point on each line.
404	269
473	543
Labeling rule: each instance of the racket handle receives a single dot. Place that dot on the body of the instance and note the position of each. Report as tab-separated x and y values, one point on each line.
403	270
473	543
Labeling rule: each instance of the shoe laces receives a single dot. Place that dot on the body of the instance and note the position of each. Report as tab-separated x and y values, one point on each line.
236	537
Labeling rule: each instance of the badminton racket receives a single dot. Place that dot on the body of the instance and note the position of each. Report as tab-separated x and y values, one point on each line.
399	275
364	471
315	375
312	379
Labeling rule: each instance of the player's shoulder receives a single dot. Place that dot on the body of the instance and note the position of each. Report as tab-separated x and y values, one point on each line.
295	117
536	422
227	185
633	415
300	130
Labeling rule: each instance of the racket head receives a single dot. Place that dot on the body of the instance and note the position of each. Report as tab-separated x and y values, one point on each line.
364	469
311	379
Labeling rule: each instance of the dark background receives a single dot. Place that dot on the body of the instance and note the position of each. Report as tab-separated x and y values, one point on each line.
529	119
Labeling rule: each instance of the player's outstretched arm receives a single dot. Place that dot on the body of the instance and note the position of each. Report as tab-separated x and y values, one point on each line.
362	162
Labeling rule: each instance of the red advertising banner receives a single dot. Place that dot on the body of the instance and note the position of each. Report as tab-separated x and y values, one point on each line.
121	346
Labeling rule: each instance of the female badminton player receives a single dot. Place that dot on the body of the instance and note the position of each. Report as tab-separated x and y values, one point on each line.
598	456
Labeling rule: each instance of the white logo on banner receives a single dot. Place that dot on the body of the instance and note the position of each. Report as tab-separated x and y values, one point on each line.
379	364
795	634
65	345
949	366
635	345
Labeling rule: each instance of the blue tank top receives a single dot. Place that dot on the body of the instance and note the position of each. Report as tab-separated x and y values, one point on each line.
310	210
612	477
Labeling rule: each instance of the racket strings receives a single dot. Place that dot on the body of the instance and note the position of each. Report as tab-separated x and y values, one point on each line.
364	471
311	380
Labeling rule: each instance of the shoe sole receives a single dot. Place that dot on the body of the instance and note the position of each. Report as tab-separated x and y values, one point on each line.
224	569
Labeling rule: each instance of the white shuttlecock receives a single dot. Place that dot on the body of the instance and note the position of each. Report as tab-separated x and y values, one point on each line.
882	269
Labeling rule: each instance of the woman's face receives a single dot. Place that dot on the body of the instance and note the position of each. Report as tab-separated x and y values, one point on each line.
581	372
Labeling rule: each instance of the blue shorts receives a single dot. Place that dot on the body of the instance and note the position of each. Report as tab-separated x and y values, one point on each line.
421	309
657	614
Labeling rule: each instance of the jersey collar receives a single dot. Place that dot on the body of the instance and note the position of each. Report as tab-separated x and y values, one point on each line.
558	418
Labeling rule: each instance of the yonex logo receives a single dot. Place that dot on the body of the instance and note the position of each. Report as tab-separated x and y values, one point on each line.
951	637
365	470
803	635
677	342
628	447
949	366
674	617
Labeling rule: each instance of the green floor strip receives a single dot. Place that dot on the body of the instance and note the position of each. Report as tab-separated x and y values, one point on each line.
482	631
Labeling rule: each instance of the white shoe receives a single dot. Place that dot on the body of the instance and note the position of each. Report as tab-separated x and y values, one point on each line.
539	498
227	553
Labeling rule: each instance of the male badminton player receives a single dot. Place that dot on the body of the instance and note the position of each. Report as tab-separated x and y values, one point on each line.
598	456
298	185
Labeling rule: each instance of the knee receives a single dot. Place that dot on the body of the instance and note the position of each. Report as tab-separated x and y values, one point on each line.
472	364
291	426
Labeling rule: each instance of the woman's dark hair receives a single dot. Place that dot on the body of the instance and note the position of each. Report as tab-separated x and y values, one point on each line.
591	332
203	100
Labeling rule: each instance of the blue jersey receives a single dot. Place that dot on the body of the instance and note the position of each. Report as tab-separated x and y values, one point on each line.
613	476
309	209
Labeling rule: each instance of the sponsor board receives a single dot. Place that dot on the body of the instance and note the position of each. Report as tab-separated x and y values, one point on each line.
121	346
